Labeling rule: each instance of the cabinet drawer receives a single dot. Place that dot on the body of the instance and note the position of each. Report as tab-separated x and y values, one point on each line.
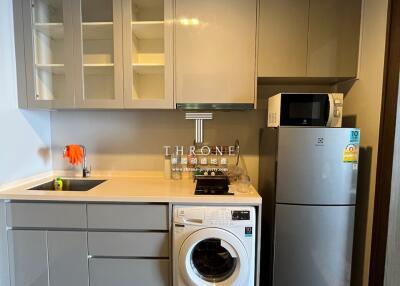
135	217
128	272
138	244
46	215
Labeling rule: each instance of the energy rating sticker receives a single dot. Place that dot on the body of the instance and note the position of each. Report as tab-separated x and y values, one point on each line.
350	154
355	136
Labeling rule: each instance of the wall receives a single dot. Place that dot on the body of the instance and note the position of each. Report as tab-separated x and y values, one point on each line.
362	106
392	265
134	140
25	136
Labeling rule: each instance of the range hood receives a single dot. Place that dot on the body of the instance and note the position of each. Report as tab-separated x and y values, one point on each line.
215	106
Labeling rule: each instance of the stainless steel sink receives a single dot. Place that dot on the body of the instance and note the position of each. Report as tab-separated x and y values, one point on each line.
72	185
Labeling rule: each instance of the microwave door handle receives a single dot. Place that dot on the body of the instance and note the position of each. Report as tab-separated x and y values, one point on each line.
331	103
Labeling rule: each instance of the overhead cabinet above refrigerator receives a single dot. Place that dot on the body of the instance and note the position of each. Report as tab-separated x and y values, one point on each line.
308	40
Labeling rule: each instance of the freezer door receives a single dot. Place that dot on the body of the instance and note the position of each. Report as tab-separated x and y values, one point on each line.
313	245
312	167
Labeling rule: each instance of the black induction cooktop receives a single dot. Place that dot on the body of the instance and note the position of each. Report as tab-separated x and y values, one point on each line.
212	185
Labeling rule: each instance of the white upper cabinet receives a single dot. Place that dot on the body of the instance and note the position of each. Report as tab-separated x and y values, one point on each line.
215	51
148	53
43	37
162	54
98	53
94	53
282	46
333	39
71	53
309	38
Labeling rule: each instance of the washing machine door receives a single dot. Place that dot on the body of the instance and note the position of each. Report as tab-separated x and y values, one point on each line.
213	256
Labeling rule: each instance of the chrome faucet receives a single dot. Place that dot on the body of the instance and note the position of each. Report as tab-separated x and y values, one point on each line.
85	170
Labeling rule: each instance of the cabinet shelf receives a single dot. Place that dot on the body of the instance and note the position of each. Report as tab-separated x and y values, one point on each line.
98	69
99	65
51	30
97	30
148	68
146	30
51	68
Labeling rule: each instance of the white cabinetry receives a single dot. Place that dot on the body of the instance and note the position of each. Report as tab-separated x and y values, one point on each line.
215	51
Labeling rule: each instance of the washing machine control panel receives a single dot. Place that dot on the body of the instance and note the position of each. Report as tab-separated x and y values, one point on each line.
213	216
241	215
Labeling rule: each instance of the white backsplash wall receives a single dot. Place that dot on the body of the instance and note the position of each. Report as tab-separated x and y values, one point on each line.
25	135
134	140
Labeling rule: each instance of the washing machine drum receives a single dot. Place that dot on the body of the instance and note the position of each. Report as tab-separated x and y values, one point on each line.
213	256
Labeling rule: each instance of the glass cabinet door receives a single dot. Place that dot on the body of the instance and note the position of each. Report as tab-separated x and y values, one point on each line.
98	52
48	52
148	53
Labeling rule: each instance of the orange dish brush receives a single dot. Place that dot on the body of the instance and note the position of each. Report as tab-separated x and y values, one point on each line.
74	153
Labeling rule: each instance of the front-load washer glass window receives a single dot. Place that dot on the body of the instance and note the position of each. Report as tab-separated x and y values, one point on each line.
213	256
211	261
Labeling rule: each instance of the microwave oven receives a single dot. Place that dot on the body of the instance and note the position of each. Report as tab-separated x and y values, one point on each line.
305	109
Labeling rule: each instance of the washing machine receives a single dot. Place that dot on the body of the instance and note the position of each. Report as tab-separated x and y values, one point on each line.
214	245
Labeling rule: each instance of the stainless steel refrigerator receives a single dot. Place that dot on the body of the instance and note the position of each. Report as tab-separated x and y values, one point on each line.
308	181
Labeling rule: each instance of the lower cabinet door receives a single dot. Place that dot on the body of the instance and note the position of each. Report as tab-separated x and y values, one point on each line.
48	258
28	258
128	272
68	258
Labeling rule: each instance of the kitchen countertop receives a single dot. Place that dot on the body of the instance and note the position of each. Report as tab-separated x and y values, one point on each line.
139	187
